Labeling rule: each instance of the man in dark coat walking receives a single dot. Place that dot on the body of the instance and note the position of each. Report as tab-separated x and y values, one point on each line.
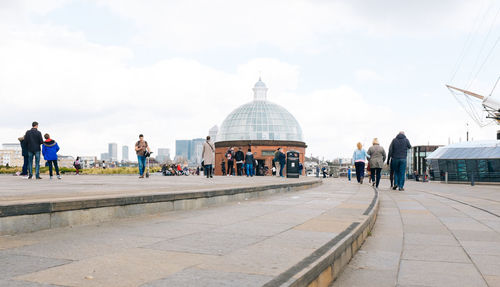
397	154
33	140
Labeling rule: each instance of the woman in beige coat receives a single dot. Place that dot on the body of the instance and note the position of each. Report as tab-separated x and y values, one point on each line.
208	155
377	159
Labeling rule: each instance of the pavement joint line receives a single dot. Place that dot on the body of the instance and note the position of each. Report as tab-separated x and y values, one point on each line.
288	274
462	202
453	234
372	204
402	241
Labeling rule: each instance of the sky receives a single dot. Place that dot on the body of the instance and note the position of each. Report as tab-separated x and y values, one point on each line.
93	72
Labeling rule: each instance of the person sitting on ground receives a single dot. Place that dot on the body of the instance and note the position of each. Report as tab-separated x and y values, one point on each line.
49	151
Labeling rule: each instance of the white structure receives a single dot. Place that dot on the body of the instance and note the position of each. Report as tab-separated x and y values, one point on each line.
11	146
124	153
260	120
113	152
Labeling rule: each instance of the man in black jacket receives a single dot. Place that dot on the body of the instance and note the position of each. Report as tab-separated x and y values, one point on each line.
33	139
239	157
397	154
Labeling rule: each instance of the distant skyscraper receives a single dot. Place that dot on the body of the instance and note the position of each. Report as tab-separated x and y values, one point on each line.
213	133
124	153
113	151
196	150
163	155
183	148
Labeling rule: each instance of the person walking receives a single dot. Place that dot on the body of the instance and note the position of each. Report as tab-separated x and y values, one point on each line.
33	140
349	173
141	149
249	160
230	161
397	153
239	157
359	158
277	161
282	161
78	165
49	151
377	159
24	152
208	157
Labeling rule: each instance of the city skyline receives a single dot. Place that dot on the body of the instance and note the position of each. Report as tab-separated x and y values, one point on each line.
348	71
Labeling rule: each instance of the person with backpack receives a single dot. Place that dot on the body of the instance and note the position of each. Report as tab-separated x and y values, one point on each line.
230	161
33	140
208	156
239	157
276	161
141	149
49	151
282	161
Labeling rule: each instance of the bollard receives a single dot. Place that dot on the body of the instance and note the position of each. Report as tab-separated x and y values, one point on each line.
446	177
472	179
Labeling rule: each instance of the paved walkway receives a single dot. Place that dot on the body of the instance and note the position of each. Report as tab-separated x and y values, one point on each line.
431	235
238	244
15	190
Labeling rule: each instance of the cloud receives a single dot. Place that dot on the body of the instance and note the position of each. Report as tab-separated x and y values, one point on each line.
367	75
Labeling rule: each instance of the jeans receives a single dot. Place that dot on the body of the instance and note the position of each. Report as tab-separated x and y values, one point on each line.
37	163
376	175
249	167
142	164
25	166
399	167
360	170
56	166
208	170
282	166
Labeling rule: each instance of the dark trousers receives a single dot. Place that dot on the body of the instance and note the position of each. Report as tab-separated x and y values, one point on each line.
230	167
360	170
56	166
399	167
25	166
376	175
208	170
239	168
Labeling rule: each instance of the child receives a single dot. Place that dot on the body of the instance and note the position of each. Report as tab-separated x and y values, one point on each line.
49	151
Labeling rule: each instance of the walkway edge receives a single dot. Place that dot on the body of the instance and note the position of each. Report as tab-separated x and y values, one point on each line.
324	270
30	217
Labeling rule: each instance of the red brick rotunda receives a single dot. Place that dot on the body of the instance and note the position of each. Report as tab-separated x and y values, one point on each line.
261	125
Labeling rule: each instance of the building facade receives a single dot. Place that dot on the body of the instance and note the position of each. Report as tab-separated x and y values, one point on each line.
263	127
125	153
113	152
416	161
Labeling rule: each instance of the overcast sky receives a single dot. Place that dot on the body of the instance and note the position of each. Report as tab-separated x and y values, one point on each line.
94	72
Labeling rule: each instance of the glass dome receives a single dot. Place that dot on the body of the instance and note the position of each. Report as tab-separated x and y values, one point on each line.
260	120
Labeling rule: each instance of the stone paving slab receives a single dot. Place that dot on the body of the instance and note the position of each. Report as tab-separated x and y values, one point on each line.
439	235
245	243
15	190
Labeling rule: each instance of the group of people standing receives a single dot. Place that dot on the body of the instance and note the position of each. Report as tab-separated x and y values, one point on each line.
30	148
396	159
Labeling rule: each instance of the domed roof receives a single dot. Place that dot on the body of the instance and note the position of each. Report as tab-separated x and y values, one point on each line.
260	120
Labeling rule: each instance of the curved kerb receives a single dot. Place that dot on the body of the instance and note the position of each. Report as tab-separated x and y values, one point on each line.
323	266
30	217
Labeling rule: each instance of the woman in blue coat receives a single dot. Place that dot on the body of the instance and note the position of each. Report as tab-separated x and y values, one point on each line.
49	151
